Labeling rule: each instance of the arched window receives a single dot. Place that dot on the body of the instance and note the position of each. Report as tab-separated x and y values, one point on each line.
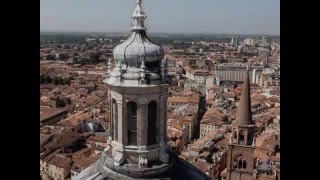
234	134
152	123
239	162
115	119
244	164
132	123
235	164
241	136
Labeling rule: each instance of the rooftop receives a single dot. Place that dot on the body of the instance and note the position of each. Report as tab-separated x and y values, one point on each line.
47	112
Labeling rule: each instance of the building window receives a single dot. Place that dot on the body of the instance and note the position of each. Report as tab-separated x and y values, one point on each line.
234	134
148	79
152	123
244	164
235	164
239	162
241	136
132	123
115	119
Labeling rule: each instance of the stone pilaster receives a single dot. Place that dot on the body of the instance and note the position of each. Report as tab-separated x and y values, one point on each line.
163	118
121	128
143	123
120	122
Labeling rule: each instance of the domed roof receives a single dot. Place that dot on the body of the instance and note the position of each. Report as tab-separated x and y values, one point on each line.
138	61
138	47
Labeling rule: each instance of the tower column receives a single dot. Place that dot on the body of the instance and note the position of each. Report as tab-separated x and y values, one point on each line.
163	118
120	124
142	125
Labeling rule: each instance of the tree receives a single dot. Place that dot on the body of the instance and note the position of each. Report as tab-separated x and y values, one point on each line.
47	79
60	102
42	80
68	100
50	57
75	60
55	80
82	63
60	80
66	81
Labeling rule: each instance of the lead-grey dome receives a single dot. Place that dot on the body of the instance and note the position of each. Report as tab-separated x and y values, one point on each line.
138	61
136	48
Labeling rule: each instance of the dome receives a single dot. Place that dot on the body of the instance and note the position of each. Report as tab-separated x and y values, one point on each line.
138	61
136	48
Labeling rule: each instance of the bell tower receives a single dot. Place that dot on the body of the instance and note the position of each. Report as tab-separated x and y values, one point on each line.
138	99
241	146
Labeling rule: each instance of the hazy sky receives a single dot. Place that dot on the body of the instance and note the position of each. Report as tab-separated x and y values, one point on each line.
173	16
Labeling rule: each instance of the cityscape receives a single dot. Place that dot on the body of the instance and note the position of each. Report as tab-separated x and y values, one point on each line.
147	105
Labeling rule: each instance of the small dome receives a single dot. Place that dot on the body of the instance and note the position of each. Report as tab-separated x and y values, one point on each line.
136	48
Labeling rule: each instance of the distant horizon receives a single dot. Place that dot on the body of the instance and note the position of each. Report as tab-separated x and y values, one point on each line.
250	17
175	33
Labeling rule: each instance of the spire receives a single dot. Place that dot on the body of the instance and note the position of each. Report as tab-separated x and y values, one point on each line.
244	116
138	17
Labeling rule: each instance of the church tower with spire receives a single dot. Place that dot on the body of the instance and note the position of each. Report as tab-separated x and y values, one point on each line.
241	146
138	99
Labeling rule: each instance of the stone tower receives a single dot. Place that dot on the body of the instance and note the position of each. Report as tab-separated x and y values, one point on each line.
138	100
241	148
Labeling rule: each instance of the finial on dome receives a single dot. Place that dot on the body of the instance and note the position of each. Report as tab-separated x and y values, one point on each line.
109	67
138	17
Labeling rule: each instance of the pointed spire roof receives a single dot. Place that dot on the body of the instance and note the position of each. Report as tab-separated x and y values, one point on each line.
244	115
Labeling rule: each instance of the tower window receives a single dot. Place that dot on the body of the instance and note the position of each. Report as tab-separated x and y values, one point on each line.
148	78
239	162
152	122
234	134
244	164
235	164
132	123
241	136
115	119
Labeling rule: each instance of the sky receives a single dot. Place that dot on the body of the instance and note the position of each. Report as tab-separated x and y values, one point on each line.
166	16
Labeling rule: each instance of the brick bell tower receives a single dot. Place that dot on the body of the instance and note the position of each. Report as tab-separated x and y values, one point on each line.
241	164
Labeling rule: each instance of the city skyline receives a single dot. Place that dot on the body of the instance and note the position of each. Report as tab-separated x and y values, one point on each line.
208	17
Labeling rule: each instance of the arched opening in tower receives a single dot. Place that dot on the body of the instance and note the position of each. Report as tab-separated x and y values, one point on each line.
241	136
244	164
132	123
115	119
234	134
